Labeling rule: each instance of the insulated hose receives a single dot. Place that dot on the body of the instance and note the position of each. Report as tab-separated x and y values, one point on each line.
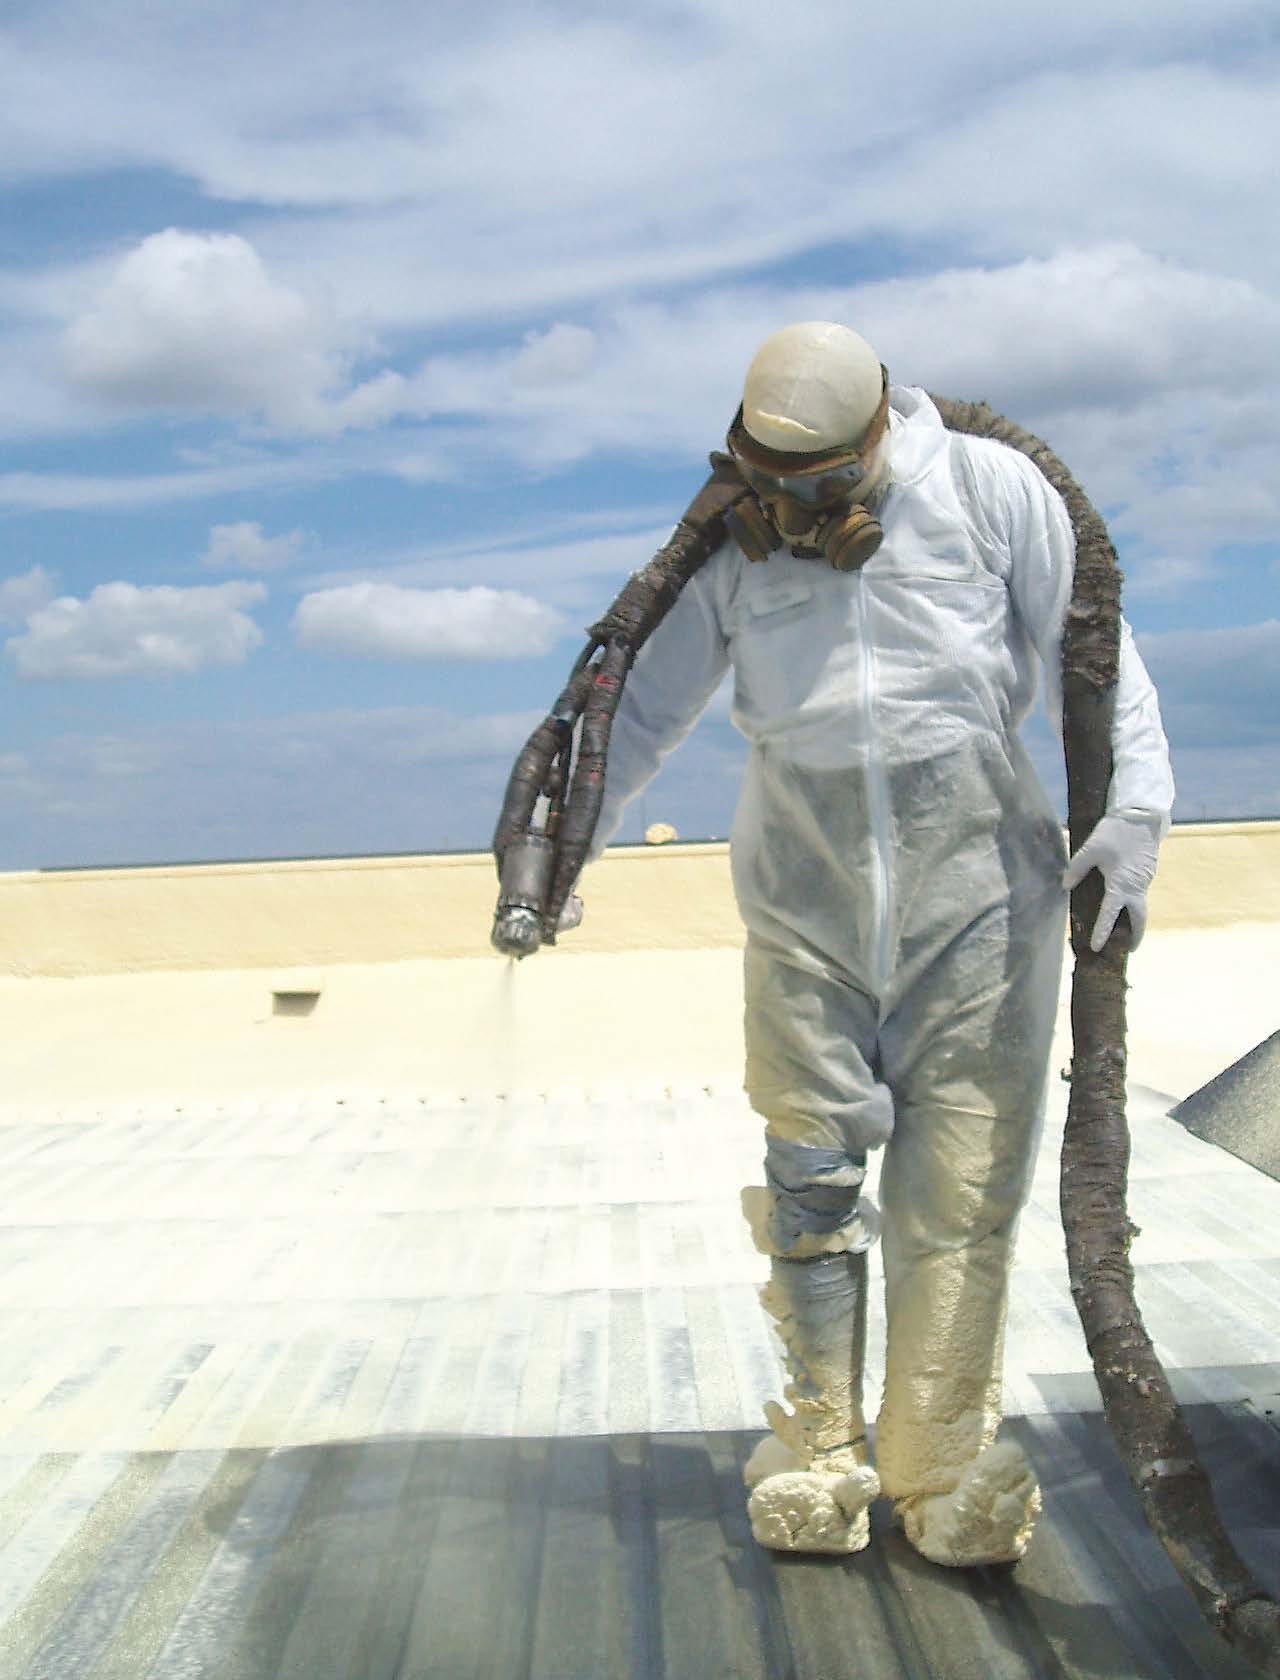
1146	1422
529	905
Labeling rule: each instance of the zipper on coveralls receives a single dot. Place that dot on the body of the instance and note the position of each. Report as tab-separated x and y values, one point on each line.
878	799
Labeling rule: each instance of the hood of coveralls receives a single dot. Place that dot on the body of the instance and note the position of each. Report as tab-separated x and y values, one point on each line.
917	435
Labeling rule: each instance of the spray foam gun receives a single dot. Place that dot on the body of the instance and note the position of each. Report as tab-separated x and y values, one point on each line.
556	785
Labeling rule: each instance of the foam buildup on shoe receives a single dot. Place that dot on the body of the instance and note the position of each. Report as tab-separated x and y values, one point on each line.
813	1511
986	1518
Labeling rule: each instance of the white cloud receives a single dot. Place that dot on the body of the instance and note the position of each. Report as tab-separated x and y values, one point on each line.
577	562
1102	192
1161	576
387	621
1103	326
23	595
1085	151
377	96
244	547
123	629
432	170
33	404
1108	338
193	321
569	568
423	272
1151	378
561	354
997	144
68	491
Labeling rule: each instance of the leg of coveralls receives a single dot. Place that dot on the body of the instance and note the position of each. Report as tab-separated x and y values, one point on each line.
811	1486
966	1053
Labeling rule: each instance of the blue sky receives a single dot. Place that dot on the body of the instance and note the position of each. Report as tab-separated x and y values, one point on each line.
354	356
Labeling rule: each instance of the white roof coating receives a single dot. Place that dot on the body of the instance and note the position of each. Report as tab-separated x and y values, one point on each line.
301	1376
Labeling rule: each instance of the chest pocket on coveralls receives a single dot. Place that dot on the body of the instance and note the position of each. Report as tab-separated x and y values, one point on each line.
777	604
788	642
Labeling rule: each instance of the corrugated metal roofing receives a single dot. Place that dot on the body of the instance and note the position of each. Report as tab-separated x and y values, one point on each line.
462	1387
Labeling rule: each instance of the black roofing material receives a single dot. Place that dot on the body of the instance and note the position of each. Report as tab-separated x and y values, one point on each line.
1239	1110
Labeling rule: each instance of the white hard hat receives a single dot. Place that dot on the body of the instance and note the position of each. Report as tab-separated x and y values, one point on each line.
812	386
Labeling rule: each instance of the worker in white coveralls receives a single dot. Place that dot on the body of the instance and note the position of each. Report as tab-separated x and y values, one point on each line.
901	877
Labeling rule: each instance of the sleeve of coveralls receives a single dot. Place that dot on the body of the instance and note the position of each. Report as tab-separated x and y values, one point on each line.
675	674
1042	549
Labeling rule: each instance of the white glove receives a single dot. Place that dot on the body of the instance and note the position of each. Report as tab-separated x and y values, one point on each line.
1123	849
570	915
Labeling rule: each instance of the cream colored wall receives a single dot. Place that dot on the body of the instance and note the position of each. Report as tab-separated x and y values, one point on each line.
369	910
1217	874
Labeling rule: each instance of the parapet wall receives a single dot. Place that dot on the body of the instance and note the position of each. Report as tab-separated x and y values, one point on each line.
291	915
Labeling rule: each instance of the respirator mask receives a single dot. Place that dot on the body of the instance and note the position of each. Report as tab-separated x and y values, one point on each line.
814	503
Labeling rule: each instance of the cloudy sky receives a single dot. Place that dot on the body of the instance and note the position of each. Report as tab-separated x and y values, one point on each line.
354	355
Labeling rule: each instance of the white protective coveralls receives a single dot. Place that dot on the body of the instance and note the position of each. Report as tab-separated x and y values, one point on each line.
898	868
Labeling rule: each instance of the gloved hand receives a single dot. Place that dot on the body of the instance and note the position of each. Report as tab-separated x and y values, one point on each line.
570	915
1123	849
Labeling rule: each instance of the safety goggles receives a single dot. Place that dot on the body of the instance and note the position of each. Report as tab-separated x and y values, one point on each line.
813	489
817	479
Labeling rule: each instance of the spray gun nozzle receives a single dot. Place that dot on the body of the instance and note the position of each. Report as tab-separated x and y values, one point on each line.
527	868
517	932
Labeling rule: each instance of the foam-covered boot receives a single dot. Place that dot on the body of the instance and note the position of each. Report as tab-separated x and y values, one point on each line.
986	1518
813	1510
810	1484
